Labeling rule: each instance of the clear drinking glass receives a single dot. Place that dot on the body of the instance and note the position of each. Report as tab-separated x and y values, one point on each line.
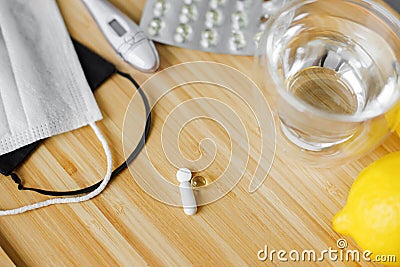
330	70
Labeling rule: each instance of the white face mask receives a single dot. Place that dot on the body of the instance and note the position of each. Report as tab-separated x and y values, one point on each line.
42	86
43	90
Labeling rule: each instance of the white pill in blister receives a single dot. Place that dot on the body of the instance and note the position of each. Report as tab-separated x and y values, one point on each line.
209	37
155	26
184	176
243	4
214	18
237	41
188	13
159	8
183	33
217	3
239	20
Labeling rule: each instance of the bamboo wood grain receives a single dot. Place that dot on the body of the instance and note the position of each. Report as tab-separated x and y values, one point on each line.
126	227
5	261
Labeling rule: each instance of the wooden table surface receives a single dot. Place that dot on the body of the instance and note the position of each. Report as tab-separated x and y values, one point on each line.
125	226
4	259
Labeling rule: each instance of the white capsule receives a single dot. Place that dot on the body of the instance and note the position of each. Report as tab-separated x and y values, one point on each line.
184	176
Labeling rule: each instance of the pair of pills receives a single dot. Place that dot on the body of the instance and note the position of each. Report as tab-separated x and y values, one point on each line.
187	183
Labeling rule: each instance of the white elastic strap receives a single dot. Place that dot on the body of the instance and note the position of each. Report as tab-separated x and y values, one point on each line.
72	199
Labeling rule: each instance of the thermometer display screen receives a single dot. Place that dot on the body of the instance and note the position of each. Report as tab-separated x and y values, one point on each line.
117	27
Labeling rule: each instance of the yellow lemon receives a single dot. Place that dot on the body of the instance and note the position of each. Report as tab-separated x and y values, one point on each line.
393	118
372	213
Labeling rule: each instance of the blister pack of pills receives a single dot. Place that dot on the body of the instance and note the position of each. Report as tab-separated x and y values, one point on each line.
219	26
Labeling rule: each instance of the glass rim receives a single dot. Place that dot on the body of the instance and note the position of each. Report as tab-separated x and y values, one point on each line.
377	9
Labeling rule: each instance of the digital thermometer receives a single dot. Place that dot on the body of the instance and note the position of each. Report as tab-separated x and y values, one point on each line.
127	38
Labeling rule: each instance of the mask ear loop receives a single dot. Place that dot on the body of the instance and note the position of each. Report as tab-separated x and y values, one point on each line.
93	190
118	170
69	200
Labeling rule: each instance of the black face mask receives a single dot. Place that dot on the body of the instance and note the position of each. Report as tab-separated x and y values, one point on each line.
97	70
